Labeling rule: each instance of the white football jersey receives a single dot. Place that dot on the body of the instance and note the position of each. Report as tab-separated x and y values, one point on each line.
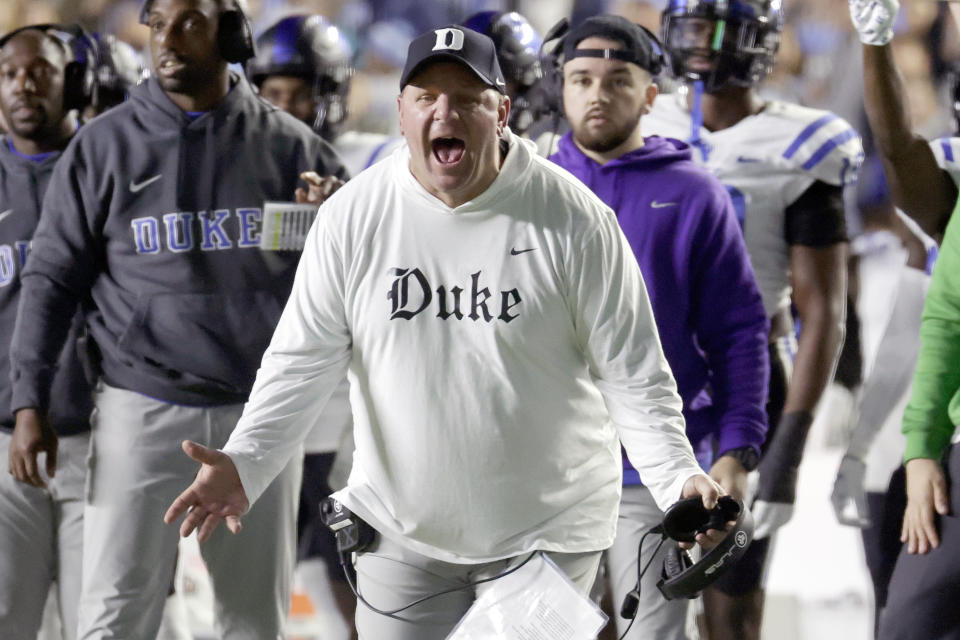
947	153
766	161
359	150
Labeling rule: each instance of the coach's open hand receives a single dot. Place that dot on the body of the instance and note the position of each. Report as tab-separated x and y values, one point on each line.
216	494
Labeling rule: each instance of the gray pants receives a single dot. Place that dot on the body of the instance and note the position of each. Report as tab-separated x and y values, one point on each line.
924	589
657	617
41	541
137	468
390	576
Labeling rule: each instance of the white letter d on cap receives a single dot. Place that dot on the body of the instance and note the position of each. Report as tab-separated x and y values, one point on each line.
455	36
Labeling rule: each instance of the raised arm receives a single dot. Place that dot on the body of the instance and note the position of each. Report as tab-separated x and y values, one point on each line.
306	360
917	183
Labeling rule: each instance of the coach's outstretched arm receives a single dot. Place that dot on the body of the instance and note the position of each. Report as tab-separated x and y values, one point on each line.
305	361
917	183
215	495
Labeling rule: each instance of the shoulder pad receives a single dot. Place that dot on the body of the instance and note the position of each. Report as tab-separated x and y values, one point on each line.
820	143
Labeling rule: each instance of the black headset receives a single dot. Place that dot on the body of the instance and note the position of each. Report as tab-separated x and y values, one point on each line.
234	33
79	81
681	577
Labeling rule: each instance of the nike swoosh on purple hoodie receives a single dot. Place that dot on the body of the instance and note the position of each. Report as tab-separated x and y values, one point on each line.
681	225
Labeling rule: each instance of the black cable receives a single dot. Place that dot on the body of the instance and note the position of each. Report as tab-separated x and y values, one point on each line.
663	538
392	613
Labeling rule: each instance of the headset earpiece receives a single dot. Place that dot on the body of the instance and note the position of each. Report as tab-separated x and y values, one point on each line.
675	562
77	86
235	37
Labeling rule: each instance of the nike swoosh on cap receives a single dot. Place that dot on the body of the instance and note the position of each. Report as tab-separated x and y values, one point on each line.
4	214
661	205
514	252
137	186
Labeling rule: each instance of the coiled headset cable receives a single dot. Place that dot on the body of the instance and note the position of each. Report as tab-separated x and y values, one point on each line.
632	600
346	565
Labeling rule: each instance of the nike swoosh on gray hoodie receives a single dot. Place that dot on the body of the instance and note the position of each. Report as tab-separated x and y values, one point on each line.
179	299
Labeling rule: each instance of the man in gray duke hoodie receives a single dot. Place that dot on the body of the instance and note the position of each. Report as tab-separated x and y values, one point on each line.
41	499
152	221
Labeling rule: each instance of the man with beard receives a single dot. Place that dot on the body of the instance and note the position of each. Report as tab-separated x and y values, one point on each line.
498	339
681	225
151	221
41	500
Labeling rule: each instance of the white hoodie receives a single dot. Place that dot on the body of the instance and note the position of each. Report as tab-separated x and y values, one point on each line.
484	430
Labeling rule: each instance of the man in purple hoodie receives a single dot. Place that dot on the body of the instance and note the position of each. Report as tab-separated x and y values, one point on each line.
683	229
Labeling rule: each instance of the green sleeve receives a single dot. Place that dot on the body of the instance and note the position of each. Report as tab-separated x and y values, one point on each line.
934	408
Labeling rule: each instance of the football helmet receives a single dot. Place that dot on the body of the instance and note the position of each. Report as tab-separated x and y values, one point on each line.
518	51
312	48
722	42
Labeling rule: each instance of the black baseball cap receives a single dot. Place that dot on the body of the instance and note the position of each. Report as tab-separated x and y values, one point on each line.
639	45
460	44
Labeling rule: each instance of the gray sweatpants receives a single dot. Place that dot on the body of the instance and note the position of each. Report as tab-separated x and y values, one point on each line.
41	541
137	468
657	617
390	576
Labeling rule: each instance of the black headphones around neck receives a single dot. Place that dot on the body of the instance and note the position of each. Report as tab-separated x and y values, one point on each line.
79	81
234	33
